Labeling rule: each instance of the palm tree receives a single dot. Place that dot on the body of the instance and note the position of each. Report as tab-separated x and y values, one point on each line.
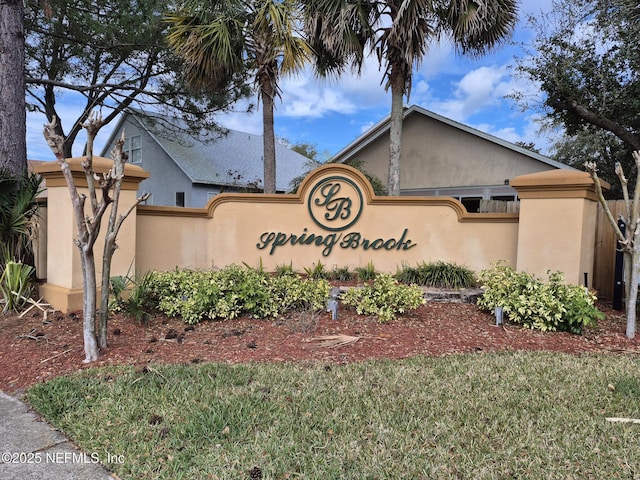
400	32
222	40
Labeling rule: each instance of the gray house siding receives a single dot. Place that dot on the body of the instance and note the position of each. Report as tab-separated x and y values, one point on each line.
188	172
156	161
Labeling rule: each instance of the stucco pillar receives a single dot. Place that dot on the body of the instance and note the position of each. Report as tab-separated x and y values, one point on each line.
557	223
63	287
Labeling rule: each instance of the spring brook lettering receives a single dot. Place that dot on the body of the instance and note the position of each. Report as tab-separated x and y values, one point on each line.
353	240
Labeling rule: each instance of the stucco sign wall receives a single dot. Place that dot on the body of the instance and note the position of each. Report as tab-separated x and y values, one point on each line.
336	219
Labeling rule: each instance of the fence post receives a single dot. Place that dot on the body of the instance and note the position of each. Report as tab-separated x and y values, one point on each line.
618	281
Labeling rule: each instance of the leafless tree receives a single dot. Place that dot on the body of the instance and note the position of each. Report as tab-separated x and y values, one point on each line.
629	241
89	224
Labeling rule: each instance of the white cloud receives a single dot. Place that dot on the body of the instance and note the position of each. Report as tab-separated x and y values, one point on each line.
478	89
366	126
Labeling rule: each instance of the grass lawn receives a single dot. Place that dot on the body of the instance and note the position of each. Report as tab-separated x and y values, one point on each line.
483	416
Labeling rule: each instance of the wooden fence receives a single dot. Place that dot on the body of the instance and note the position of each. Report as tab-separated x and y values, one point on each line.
605	250
499	206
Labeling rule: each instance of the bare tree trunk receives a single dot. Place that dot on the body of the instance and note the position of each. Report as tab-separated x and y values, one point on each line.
113	228
13	116
632	295
88	227
629	241
89	304
395	134
269	140
103	312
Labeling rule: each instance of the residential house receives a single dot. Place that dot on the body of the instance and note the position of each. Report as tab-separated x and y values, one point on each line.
444	157
187	171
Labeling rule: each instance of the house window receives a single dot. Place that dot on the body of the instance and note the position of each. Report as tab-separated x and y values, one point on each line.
133	148
179	199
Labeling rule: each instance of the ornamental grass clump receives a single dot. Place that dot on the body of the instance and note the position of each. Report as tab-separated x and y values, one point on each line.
437	274
528	301
385	298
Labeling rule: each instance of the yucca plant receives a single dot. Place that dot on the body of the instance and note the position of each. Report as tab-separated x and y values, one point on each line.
317	272
17	216
408	274
366	273
437	274
445	275
284	269
15	285
342	274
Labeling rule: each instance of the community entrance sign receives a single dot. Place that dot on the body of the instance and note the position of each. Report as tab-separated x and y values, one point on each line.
335	205
335	218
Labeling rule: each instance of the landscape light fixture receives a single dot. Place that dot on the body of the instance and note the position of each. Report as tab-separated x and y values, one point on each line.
332	302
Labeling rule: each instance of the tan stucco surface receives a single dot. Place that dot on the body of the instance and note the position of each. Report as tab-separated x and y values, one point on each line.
439	229
64	270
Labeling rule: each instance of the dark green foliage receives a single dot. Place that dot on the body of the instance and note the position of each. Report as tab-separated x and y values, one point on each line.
282	270
18	210
313	163
366	273
379	188
342	274
438	275
318	271
116	55
133	297
585	58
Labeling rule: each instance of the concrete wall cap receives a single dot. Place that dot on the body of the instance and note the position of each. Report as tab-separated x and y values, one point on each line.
100	164
555	179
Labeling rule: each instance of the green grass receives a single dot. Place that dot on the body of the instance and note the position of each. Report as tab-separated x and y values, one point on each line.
485	416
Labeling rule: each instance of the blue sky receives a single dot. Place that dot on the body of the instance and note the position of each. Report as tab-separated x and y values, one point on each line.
331	114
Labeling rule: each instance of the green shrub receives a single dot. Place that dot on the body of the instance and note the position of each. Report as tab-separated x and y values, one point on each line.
291	292
530	302
437	274
133	297
232	292
385	298
407	274
284	269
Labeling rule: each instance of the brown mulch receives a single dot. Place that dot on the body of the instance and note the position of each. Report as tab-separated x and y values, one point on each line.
33	351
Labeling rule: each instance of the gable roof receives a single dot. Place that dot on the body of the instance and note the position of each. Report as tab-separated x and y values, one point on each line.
381	128
233	158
